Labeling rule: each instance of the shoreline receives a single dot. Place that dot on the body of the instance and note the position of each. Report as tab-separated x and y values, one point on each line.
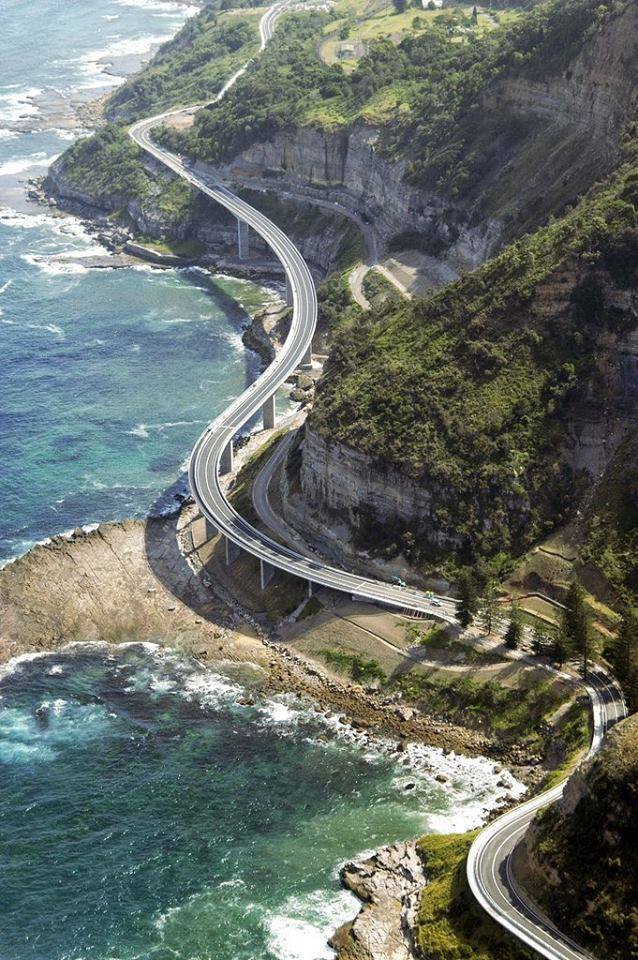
211	625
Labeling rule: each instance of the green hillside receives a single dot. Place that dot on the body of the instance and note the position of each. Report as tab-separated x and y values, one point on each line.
584	852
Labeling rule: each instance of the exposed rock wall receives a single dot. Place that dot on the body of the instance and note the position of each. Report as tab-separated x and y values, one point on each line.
349	487
206	221
348	166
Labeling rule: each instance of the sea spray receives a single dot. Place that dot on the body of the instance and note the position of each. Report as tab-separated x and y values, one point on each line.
203	818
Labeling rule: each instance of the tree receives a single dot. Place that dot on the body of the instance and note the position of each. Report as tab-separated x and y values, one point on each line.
559	651
474	15
576	625
400	5
487	606
514	632
468	598
625	655
542	641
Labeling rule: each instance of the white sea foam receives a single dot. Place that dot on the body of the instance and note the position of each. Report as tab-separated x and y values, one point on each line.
55	268
19	103
142	429
5	286
211	689
22	164
162	6
95	65
300	931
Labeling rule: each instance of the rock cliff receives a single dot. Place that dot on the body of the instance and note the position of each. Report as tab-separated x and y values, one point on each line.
582	853
370	500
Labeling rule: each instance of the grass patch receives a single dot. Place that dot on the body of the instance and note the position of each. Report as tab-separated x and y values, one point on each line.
450	924
177	248
357	668
378	288
436	637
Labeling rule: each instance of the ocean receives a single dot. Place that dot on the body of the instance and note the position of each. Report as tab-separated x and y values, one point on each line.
147	813
107	376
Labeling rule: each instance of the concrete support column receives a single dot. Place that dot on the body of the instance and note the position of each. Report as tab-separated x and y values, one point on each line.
311	588
289	296
210	528
269	413
226	462
306	362
266	573
232	551
242	239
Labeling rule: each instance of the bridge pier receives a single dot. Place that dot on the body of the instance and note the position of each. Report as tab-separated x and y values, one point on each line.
289	295
311	588
232	551
306	361
242	239
266	573
226	462
269	413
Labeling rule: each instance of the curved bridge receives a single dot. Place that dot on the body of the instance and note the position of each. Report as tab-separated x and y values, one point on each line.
489	862
213	450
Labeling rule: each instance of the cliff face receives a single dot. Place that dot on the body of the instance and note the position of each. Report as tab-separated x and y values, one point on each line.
582	853
152	215
364	494
349	168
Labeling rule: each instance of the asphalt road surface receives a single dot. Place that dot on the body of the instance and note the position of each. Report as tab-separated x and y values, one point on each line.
489	864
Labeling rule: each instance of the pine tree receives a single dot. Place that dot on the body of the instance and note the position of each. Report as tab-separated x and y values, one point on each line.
559	650
576	626
487	606
514	632
468	598
542	641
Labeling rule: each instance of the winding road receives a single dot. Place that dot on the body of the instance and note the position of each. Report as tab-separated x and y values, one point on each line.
490	860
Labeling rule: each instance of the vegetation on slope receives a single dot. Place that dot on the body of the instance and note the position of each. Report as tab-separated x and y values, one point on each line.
585	850
522	713
450	924
190	68
464	392
425	93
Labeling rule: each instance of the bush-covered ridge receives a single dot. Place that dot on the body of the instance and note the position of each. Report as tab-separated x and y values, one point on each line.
590	842
190	68
465	391
425	92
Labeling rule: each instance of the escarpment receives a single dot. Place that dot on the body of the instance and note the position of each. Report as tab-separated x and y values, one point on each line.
582	853
475	422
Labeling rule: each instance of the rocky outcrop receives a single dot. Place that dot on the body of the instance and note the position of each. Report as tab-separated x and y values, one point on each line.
348	168
345	487
388	883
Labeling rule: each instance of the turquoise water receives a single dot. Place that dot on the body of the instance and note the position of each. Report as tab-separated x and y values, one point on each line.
146	814
107	377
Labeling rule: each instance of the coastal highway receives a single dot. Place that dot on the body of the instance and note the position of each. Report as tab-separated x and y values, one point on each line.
490	860
207	453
